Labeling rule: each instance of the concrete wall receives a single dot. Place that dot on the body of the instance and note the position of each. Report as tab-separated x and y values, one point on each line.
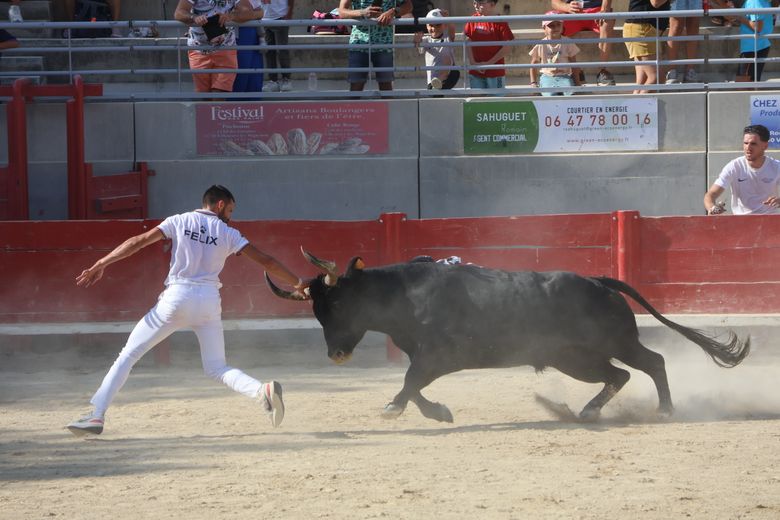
425	174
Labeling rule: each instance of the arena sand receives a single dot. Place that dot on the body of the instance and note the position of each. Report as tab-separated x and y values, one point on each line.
177	445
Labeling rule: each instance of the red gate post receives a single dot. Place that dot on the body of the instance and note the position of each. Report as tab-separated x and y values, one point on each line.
390	253
626	243
77	175
17	194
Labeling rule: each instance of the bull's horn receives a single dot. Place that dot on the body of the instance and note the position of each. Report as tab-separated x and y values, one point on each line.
287	295
326	266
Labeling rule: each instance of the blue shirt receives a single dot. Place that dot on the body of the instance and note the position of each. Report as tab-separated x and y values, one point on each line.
751	44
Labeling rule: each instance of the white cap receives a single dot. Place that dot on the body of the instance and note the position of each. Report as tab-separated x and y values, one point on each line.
434	13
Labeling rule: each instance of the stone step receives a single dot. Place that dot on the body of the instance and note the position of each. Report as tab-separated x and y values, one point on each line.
25	66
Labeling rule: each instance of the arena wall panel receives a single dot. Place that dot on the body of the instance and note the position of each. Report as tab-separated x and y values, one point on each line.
705	265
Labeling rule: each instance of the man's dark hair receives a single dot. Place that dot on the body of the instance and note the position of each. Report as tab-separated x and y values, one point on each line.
760	130
216	193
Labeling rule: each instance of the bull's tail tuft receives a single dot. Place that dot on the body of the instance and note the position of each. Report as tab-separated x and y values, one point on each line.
727	354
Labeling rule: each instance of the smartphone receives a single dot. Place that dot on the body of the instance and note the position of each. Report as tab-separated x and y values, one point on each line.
213	29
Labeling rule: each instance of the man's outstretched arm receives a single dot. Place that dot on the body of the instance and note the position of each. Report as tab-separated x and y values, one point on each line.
127	248
272	265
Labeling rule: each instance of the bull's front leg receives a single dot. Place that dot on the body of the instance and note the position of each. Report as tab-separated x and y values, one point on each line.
419	375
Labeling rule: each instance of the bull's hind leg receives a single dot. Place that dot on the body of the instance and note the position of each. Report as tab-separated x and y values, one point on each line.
582	366
652	364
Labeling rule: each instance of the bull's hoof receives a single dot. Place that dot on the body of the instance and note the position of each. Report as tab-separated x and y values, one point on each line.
665	413
392	411
444	414
590	415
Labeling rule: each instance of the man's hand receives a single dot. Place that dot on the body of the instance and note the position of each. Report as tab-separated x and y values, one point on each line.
90	276
200	20
717	208
772	201
386	18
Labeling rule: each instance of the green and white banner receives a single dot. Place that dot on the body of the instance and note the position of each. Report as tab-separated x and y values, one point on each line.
561	125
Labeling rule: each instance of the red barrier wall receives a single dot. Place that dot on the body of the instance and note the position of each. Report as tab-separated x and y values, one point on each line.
681	264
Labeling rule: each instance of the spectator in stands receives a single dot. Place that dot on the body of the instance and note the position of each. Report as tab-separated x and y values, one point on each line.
437	55
73	7
15	12
7	40
419	9
679	26
604	28
647	26
202	241
754	178
556	53
487	55
250	58
205	15
380	34
749	46
277	58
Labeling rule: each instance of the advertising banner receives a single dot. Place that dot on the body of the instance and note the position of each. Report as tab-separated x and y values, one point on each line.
298	128
561	125
765	110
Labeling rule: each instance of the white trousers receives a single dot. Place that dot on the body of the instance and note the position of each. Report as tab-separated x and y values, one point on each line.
180	307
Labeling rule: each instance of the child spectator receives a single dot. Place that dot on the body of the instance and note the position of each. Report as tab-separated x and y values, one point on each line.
437	55
556	54
749	45
487	55
604	28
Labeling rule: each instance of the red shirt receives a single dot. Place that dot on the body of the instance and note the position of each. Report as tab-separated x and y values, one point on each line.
487	32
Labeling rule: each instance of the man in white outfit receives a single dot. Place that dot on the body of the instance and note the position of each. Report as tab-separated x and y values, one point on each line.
754	178
202	241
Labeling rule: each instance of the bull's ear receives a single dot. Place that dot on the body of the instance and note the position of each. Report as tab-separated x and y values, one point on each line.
356	264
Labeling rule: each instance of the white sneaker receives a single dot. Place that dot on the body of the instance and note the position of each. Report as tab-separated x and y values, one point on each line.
90	424
285	85
672	78
15	14
436	83
271	398
691	76
270	86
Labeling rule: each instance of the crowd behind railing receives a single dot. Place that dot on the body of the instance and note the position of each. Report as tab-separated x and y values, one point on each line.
241	49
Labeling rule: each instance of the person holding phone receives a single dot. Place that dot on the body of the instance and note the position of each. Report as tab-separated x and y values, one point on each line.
379	35
209	30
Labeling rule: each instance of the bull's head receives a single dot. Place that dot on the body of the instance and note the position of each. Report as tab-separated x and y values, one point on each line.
336	303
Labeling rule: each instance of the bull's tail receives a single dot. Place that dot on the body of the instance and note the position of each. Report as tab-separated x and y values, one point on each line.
729	353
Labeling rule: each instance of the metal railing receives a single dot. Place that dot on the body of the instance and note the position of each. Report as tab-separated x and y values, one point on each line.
129	48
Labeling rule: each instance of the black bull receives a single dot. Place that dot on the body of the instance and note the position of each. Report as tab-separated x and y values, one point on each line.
450	318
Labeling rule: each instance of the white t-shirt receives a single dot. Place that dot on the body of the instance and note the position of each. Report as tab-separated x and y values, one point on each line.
201	244
749	187
555	54
438	56
272	9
